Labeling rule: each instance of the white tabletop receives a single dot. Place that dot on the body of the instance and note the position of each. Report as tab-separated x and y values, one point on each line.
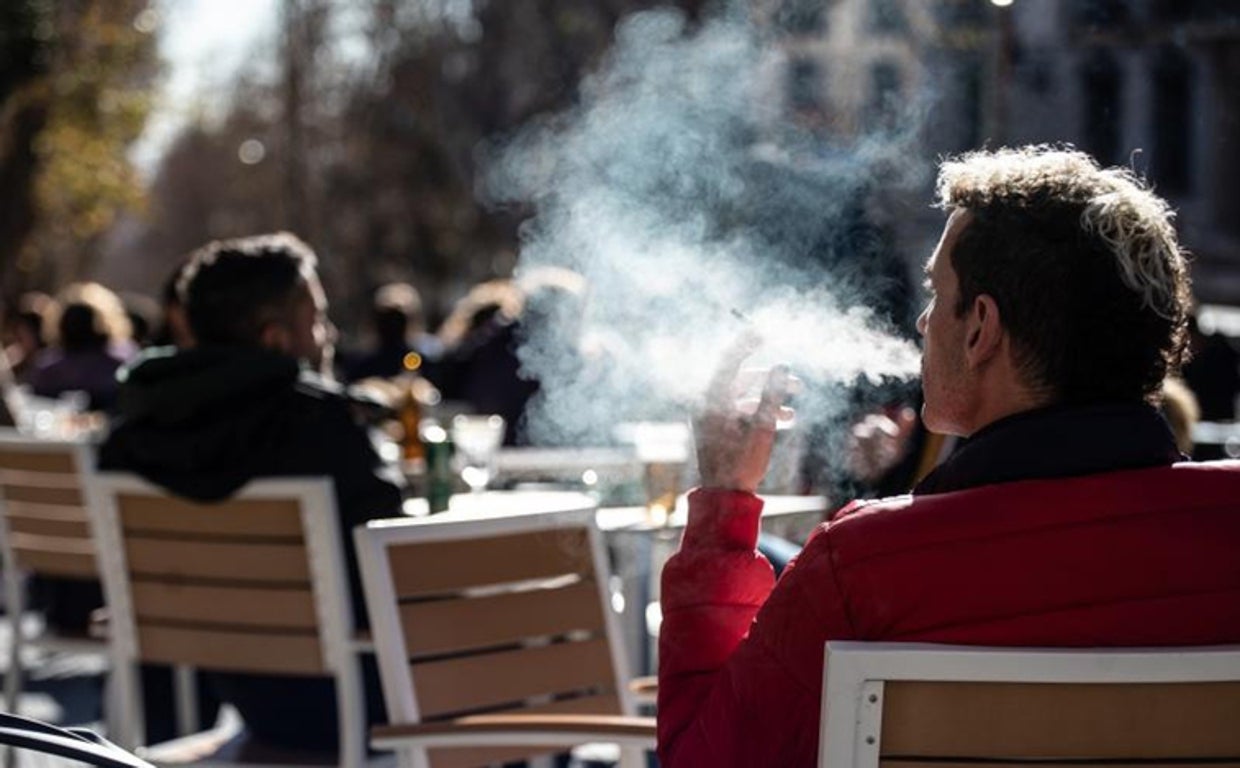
467	506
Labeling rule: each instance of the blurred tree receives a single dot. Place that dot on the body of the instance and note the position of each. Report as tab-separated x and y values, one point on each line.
25	28
371	136
75	89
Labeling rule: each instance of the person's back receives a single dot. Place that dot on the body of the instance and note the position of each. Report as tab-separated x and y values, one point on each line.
244	404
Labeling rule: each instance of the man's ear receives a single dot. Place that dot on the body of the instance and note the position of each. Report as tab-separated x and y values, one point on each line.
983	331
275	336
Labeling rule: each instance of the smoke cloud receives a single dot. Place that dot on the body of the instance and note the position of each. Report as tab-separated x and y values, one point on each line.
684	196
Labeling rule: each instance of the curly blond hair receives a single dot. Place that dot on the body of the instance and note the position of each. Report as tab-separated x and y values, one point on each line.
1082	261
1118	207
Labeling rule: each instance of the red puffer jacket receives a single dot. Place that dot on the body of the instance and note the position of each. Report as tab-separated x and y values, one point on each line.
1136	558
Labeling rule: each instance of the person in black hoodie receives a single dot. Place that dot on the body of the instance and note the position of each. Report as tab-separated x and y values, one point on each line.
250	401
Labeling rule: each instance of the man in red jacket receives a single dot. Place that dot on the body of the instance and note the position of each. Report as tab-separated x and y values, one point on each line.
1059	297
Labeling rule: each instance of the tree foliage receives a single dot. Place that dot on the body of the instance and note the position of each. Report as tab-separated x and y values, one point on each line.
75	97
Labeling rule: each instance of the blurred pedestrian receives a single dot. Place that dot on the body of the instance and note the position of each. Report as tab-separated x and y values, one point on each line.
90	341
402	343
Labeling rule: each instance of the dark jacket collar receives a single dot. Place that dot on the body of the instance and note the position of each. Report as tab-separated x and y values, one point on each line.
1057	441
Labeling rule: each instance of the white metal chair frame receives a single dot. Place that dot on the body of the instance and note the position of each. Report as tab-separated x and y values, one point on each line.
854	674
14	578
373	542
341	648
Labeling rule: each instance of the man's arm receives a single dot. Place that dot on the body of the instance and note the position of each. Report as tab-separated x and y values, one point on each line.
711	590
740	662
740	659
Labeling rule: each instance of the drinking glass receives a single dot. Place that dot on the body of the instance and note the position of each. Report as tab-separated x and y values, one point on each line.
477	439
663	450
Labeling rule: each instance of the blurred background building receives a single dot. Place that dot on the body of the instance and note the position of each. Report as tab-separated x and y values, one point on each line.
1149	84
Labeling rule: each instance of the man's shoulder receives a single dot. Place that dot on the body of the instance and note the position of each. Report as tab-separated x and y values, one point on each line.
907	523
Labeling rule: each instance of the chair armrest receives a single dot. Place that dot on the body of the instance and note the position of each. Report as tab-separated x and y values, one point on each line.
645	689
519	730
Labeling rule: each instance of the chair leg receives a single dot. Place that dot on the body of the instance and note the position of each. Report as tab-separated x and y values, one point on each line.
16	609
185	689
131	732
351	713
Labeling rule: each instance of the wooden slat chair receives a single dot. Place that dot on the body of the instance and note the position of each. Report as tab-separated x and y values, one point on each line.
253	584
496	639
45	530
900	705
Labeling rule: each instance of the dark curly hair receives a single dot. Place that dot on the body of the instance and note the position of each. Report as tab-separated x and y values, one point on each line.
233	288
1083	263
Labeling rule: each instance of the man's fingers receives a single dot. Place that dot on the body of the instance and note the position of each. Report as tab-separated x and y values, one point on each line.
719	392
773	396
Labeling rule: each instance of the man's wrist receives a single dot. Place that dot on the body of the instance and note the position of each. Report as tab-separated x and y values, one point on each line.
725	518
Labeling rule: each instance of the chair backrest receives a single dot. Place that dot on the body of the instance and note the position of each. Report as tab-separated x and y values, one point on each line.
44	526
914	705
253	584
504	615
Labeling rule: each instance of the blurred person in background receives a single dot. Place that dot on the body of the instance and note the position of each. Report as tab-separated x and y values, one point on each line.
250	400
91	339
480	365
26	333
1180	409
541	311
1058	303
402	344
1213	373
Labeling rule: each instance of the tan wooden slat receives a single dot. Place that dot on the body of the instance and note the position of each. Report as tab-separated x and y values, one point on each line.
928	719
70	496
73	562
471	757
37	461
22	477
446	625
42	526
155	602
233	651
487	680
257	518
190	560
45	511
439	567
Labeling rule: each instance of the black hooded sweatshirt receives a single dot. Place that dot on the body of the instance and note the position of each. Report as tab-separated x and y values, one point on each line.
204	422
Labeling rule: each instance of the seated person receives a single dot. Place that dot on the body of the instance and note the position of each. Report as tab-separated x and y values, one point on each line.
402	342
91	342
248	401
1059	298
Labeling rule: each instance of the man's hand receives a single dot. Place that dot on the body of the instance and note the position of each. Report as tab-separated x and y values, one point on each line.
733	447
878	441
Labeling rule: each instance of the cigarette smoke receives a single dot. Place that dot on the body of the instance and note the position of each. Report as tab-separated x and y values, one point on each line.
680	192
